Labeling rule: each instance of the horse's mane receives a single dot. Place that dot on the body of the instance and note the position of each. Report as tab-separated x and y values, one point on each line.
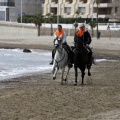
79	46
78	43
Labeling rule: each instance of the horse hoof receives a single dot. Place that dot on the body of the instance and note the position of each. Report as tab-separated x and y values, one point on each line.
75	84
89	74
61	83
82	84
65	79
66	82
54	78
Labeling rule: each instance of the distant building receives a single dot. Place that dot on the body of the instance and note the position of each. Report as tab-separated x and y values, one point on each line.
11	9
5	6
68	8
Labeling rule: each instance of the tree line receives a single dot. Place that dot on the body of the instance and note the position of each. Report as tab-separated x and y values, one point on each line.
38	19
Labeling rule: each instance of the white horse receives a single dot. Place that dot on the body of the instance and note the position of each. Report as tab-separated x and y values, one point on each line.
60	60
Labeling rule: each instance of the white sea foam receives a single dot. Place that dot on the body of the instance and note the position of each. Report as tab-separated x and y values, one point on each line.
102	60
14	62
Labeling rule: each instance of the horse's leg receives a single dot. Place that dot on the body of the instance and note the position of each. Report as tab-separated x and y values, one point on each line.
55	72
67	74
62	75
76	74
89	67
89	73
53	68
83	74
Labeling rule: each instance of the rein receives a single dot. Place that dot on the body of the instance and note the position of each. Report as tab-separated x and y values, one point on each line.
59	60
77	50
56	44
61	50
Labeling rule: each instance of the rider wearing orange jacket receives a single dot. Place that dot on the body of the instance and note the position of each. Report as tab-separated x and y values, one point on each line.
84	37
60	32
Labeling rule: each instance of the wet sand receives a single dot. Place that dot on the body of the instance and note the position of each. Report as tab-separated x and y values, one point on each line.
39	97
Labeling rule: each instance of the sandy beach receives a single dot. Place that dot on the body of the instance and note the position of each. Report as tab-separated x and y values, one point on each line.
39	97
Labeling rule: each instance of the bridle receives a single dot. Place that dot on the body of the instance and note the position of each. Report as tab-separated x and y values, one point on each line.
58	40
59	60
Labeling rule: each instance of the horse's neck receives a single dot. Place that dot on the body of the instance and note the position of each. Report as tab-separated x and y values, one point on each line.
60	50
79	44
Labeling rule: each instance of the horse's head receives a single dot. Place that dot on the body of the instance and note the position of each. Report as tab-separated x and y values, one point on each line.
57	42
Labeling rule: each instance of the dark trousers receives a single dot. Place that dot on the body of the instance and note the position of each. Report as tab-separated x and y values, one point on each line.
53	53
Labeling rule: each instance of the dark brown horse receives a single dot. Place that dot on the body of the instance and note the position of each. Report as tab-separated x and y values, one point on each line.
81	60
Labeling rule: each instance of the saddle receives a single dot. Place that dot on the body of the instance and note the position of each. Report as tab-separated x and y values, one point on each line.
66	47
84	50
70	54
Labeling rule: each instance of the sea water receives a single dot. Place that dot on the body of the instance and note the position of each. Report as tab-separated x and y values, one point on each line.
15	62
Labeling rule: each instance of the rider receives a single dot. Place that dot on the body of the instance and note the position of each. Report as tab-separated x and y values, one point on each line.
60	32
83	35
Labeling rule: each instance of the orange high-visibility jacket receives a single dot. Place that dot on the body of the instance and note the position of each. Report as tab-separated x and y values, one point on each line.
80	32
58	34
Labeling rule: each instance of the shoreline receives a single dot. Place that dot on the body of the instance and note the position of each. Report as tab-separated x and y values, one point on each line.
114	53
21	46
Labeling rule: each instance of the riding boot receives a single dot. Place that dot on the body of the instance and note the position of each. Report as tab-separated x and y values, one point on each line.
53	54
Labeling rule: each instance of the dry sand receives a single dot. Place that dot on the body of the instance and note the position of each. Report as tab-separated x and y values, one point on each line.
38	97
